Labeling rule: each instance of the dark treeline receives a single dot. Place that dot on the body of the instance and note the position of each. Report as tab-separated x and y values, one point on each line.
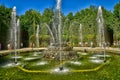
70	25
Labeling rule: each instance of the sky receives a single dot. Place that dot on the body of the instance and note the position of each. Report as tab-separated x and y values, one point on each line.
66	6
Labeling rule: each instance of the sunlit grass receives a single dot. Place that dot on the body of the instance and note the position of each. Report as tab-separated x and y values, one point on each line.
109	71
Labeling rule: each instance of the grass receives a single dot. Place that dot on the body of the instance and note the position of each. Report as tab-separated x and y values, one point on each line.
110	71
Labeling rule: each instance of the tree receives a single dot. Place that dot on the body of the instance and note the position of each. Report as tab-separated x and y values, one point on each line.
88	20
5	16
29	23
117	11
47	15
70	16
116	14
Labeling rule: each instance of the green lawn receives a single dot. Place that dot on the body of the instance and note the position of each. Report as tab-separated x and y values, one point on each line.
109	71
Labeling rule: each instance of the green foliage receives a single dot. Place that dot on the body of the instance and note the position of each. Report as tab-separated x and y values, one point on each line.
47	15
70	16
117	11
44	40
29	23
30	19
5	15
116	24
70	23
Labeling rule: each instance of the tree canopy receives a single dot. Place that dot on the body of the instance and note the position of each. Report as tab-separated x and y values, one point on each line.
70	24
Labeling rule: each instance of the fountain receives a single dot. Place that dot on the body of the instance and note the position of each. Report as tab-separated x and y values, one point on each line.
10	64
101	34
75	62
14	32
42	63
14	40
31	58
58	50
37	40
37	37
81	37
58	70
18	33
100	21
59	29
